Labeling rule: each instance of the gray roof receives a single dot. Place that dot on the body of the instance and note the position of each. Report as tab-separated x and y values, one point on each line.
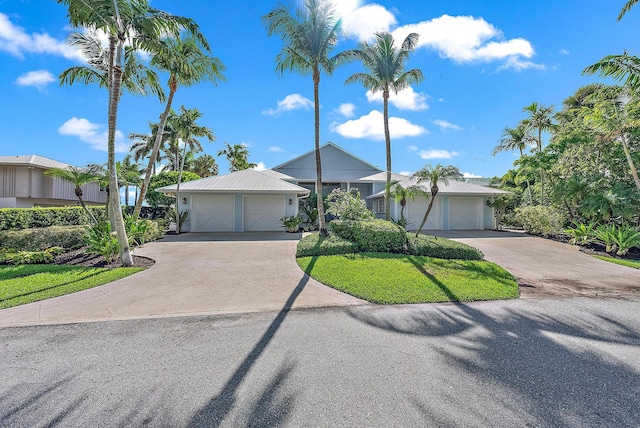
382	176
454	187
278	175
32	160
245	181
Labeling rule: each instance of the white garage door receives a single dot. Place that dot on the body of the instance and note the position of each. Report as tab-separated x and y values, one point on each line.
414	212
212	213
263	213
466	213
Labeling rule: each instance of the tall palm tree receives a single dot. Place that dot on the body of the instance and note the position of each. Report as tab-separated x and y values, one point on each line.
402	194
386	64
628	5
78	177
541	120
518	138
188	132
187	64
238	157
309	38
624	68
434	175
135	22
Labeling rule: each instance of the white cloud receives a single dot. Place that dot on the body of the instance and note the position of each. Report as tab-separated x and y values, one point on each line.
470	175
347	110
412	148
371	126
407	173
16	41
290	102
39	79
437	154
274	149
367	20
446	125
260	166
564	52
96	135
406	99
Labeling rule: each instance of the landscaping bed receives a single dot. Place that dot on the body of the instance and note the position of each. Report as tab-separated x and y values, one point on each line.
79	258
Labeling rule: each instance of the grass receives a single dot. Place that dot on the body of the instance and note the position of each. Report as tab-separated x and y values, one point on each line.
629	263
396	278
24	284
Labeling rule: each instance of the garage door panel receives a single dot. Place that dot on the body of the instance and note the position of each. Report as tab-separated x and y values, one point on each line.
466	213
415	210
263	213
212	213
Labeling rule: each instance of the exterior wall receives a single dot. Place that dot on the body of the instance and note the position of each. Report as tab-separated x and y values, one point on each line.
7	202
489	216
446	209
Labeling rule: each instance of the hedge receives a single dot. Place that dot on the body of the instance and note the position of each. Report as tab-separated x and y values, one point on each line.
27	218
376	236
541	220
441	248
316	245
39	239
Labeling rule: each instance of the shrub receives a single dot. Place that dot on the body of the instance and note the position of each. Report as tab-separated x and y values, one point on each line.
143	230
30	257
540	220
376	236
100	240
625	237
581	234
166	178
441	248
39	239
347	205
291	223
27	218
605	235
316	245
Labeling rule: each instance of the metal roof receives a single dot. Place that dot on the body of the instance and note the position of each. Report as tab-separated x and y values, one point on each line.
32	160
244	181
278	175
454	187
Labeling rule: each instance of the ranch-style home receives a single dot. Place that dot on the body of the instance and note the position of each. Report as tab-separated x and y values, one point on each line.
256	200
24	185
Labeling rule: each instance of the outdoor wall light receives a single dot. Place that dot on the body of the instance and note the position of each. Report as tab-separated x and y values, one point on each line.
290	201
184	201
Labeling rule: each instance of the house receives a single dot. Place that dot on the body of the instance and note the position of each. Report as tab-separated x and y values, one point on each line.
24	185
256	200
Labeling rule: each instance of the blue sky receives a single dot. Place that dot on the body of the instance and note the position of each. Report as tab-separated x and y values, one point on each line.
483	61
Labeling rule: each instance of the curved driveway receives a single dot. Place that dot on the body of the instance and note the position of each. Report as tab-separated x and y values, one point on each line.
202	273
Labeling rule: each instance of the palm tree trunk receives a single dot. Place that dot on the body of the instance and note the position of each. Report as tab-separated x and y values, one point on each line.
93	218
632	166
184	156
426	215
387	138
154	154
541	170
116	212
316	100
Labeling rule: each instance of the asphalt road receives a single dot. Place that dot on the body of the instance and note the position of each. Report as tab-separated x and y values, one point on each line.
561	363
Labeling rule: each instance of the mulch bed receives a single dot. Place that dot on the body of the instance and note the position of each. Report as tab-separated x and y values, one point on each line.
80	258
598	249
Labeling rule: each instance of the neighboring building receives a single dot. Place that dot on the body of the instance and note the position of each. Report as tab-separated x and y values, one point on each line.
256	201
24	185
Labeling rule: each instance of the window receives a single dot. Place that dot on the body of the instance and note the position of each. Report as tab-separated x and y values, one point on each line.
380	206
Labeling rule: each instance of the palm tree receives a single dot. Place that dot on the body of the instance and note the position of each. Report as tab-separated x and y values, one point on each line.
626	8
309	38
402	194
187	131
78	177
238	157
132	21
187	65
518	138
386	65
129	173
541	120
433	175
624	68
205	166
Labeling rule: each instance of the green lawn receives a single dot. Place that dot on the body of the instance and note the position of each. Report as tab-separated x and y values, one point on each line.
29	283
629	263
396	278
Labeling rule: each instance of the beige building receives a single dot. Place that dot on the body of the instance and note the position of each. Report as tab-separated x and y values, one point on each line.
24	185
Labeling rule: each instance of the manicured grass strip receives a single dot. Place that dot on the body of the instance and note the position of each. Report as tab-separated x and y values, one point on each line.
629	263
30	283
396	278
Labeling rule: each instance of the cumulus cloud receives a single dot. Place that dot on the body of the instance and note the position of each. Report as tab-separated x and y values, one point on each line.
260	166
39	79
347	110
470	175
290	102
443	124
274	149
437	154
406	99
371	126
18	42
96	135
367	20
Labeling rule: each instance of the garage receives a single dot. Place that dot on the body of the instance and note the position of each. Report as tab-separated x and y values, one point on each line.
415	210
466	213
263	213
212	213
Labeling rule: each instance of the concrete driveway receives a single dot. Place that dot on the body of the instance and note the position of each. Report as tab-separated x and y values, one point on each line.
546	268
204	273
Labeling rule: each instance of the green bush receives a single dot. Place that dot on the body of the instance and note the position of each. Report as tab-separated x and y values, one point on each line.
316	245
441	248
375	236
100	240
39	239
348	205
142	230
27	218
541	220
30	257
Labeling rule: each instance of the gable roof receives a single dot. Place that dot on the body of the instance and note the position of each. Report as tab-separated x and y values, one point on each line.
32	160
454	188
244	181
